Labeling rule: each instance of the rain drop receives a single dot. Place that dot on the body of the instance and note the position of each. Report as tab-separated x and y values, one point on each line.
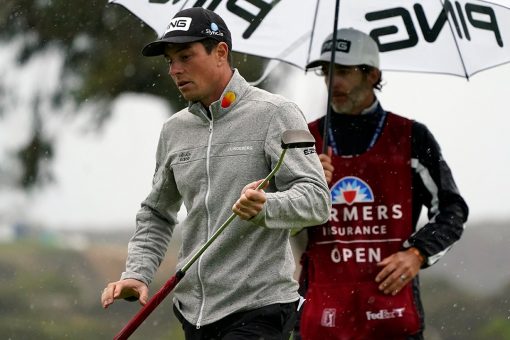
129	70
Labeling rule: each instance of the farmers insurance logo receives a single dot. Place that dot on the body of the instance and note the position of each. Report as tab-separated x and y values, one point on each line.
350	190
178	24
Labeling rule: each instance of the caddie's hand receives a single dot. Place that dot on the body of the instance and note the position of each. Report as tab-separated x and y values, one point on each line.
251	201
327	165
124	289
398	270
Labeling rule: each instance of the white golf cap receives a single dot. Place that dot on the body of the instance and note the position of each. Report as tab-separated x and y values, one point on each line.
353	47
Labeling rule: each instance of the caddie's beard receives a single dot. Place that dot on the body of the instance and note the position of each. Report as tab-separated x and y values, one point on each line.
353	104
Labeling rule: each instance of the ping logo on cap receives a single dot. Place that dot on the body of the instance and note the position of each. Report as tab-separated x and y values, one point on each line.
179	24
341	45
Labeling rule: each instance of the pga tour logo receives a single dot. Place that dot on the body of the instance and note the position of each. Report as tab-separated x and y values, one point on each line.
328	317
178	24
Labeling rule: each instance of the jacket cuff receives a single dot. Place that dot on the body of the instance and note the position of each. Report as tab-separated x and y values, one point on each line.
136	276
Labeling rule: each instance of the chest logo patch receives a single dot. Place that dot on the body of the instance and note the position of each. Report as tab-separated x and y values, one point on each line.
228	99
184	156
349	190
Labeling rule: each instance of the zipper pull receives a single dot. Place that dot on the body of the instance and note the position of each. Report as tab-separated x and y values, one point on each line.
210	125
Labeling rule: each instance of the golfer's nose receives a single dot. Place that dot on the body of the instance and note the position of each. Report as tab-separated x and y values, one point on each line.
174	68
339	80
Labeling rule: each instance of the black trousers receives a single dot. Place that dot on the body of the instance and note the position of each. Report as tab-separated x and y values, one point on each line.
273	322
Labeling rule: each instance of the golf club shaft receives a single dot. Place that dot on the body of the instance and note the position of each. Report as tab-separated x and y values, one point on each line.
231	217
144	312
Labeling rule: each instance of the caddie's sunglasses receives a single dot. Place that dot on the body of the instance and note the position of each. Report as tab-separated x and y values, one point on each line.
338	70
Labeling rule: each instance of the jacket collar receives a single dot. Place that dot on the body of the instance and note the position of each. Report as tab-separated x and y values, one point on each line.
232	94
374	107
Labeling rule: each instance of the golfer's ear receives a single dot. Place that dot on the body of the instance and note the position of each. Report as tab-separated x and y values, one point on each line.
373	75
222	51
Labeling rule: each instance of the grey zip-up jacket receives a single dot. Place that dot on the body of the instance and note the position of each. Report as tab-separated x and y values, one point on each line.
205	163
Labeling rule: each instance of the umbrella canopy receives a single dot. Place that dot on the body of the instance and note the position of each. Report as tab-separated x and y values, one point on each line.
460	37
504	3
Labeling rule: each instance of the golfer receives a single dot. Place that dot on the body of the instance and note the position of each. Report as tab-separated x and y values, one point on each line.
211	156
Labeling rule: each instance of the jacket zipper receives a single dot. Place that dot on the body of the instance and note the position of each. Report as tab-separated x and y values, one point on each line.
208	218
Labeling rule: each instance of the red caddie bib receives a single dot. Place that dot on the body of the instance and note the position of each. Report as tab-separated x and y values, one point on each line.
371	218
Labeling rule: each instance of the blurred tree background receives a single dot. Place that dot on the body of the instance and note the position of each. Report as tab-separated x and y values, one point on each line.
100	47
51	290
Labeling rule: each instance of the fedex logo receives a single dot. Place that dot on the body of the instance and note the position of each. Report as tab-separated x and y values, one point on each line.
385	314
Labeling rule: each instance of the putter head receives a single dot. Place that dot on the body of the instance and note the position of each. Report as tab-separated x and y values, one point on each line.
292	139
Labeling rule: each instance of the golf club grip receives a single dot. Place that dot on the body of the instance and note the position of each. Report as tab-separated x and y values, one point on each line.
144	312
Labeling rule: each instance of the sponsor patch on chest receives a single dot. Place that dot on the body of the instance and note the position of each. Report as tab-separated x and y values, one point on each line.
184	156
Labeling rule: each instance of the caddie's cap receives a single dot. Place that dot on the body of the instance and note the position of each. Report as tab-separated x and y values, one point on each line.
353	47
190	25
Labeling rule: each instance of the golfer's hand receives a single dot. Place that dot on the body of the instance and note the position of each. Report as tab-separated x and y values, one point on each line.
327	165
398	270
123	289
251	201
